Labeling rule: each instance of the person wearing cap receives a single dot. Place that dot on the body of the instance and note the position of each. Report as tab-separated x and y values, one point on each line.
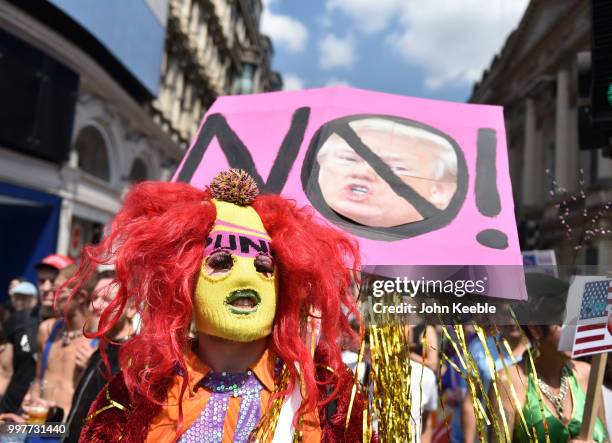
23	296
46	273
19	337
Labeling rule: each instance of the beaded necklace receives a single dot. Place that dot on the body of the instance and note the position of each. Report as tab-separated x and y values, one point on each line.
557	400
208	428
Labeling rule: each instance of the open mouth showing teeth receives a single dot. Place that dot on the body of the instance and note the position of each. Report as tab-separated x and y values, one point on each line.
244	301
359	190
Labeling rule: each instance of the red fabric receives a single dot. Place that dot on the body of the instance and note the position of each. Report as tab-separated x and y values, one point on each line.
111	425
57	261
441	433
335	430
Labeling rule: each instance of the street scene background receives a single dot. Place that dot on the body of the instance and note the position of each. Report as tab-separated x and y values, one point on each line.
96	96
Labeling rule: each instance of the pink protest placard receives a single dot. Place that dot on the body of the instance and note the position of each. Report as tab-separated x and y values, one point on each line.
417	182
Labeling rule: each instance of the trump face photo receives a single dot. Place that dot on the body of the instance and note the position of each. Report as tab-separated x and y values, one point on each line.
421	159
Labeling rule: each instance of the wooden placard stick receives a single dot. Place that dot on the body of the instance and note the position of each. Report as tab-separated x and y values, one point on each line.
593	396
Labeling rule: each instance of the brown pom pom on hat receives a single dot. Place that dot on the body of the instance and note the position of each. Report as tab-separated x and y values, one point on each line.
234	186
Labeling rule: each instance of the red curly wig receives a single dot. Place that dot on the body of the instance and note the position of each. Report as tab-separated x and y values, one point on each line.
156	242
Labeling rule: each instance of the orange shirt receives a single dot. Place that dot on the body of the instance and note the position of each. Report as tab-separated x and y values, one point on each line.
164	425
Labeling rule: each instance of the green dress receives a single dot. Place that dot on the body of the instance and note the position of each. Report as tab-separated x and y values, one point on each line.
557	431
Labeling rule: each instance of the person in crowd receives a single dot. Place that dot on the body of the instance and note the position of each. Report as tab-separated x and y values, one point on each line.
17	355
63	350
14	282
46	273
429	354
454	386
23	296
510	333
95	374
102	294
561	381
171	388
6	307
350	353
423	401
6	358
6	365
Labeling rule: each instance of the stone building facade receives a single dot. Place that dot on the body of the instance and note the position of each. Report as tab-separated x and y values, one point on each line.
119	135
534	77
213	47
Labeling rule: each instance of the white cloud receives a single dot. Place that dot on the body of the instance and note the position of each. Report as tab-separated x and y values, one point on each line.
284	30
370	16
336	52
336	82
292	82
451	40
454	40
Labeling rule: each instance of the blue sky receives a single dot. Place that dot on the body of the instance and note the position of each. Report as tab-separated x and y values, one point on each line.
422	48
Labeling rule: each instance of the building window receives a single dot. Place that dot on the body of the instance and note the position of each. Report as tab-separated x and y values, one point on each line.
590	256
93	153
244	82
83	232
234	15
255	11
138	172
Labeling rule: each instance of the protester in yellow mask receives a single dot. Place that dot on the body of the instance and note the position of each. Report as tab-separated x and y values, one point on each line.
265	357
235	296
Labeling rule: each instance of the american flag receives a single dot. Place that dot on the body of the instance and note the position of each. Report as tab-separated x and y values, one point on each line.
592	334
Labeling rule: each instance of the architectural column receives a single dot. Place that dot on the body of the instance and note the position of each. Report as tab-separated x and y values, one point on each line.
65	224
604	166
574	157
563	165
530	157
185	13
175	113
70	177
194	24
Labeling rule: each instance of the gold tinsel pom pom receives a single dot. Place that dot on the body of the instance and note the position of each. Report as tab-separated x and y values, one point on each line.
234	186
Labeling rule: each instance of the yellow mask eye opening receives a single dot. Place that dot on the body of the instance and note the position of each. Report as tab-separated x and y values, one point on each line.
220	262
264	265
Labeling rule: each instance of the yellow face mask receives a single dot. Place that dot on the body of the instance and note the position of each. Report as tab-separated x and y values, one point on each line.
235	295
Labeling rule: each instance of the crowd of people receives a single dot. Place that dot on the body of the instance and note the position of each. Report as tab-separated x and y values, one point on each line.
442	407
48	363
50	371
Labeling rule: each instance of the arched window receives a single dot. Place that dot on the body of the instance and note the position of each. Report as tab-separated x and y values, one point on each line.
138	172
93	154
